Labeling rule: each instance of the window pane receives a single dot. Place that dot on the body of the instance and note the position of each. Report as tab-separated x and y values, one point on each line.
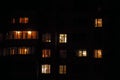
12	51
63	38
98	22
62	69
22	35
81	53
23	20
46	53
23	51
46	68
98	53
18	34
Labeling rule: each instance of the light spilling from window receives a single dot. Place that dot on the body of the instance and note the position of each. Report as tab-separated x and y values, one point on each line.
23	51
98	22
23	20
46	69
46	53
81	53
18	50
29	32
62	38
62	69
98	53
12	51
22	35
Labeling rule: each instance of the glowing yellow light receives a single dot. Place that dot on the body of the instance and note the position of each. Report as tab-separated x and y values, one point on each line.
29	32
17	32
98	53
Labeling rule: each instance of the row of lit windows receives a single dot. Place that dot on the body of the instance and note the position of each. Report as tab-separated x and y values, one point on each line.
46	53
47	38
80	53
46	69
24	20
18	50
34	35
22	35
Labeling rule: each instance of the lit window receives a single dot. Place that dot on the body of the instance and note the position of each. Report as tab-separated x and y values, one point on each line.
23	51
62	69
81	53
12	51
18	50
30	34
22	35
98	22
46	37
62	38
23	20
46	69
46	53
63	53
98	53
18	34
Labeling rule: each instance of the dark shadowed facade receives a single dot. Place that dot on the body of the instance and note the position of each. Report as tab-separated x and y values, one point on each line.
57	43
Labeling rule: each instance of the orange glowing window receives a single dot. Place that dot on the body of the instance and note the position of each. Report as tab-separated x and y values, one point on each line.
22	35
81	53
45	69
23	51
12	51
46	53
98	53
18	50
62	38
23	20
62	69
17	34
98	22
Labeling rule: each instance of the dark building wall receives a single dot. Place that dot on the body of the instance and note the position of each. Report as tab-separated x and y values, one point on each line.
79	25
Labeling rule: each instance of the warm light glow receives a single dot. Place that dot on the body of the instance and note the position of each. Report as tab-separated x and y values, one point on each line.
12	51
19	50
98	53
46	53
98	22
23	20
46	68
63	38
17	35
22	35
82	53
17	32
62	69
29	32
23	51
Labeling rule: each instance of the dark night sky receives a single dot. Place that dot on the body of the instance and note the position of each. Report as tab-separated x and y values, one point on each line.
53	5
56	6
